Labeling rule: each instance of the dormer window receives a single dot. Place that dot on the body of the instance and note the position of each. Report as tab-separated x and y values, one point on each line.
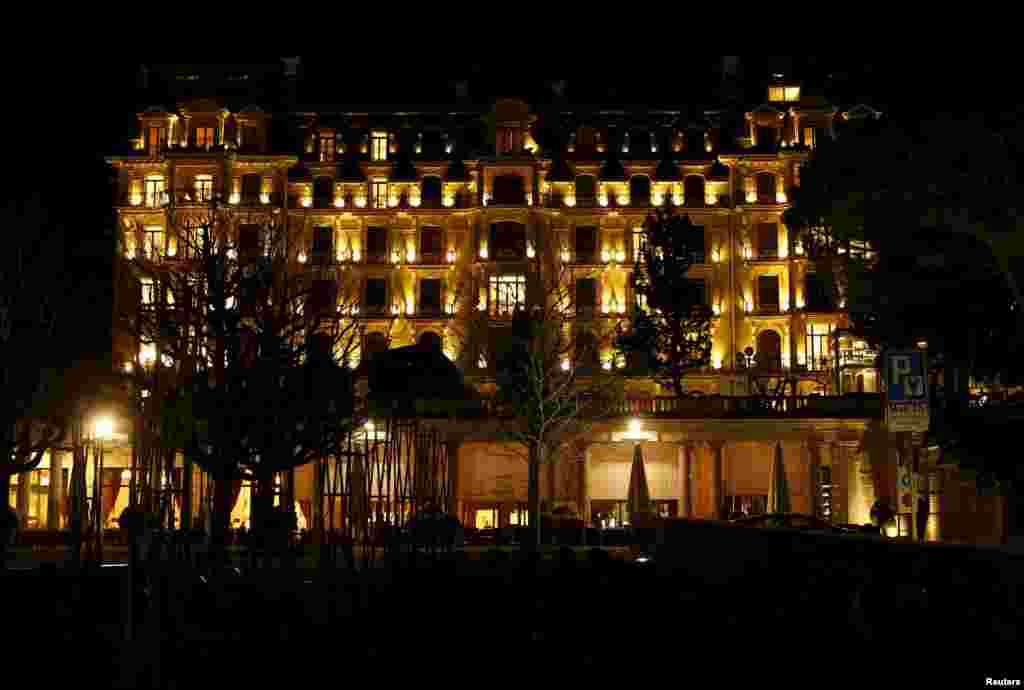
379	150
508	140
783	94
155	139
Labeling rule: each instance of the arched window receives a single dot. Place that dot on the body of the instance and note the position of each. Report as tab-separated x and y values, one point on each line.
323	192
431	192
640	190
765	188
693	191
769	350
586	190
509	190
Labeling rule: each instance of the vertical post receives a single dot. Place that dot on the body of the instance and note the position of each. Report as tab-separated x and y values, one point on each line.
452	508
55	499
97	498
686	473
186	494
24	494
584	492
716	478
812	478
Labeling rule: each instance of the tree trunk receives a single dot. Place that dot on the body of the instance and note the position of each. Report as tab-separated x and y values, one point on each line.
533	495
219	520
262	505
6	530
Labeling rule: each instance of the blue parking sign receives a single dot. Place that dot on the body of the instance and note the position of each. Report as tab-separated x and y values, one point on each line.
906	391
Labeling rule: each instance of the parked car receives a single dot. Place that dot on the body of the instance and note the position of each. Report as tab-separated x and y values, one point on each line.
804	523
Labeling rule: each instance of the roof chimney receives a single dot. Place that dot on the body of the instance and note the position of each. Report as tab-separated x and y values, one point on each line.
291	66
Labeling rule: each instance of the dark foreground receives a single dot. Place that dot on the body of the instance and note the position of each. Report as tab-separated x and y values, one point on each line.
951	623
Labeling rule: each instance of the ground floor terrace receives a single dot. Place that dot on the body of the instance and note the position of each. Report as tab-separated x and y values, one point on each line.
712	469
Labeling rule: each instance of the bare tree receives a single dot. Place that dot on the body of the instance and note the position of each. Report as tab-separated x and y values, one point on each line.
238	320
552	386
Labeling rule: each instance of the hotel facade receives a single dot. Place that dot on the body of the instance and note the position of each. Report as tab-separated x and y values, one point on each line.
429	214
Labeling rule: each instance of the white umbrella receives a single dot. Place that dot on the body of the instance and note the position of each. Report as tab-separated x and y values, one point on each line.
638	500
778	491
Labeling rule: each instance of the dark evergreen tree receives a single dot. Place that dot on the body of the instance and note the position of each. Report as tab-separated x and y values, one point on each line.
670	331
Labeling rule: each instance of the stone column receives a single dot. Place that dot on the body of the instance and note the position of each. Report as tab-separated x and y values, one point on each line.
584	490
55	500
453	480
860	489
24	489
318	497
686	452
812	478
186	493
716	448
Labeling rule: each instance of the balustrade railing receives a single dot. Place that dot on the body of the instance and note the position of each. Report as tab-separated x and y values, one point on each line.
863	405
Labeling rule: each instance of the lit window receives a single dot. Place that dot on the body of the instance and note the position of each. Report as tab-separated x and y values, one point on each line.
204	187
817	346
204	136
156	139
486	518
809	137
154	191
148	291
788	94
638	245
153	242
380	194
380	146
507	293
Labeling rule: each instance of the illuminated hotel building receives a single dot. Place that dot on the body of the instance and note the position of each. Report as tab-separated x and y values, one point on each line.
429	211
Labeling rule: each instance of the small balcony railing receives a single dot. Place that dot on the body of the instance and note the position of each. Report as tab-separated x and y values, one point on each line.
863	358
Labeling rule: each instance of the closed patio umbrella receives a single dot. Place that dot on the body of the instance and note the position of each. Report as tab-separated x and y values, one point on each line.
778	491
638	500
